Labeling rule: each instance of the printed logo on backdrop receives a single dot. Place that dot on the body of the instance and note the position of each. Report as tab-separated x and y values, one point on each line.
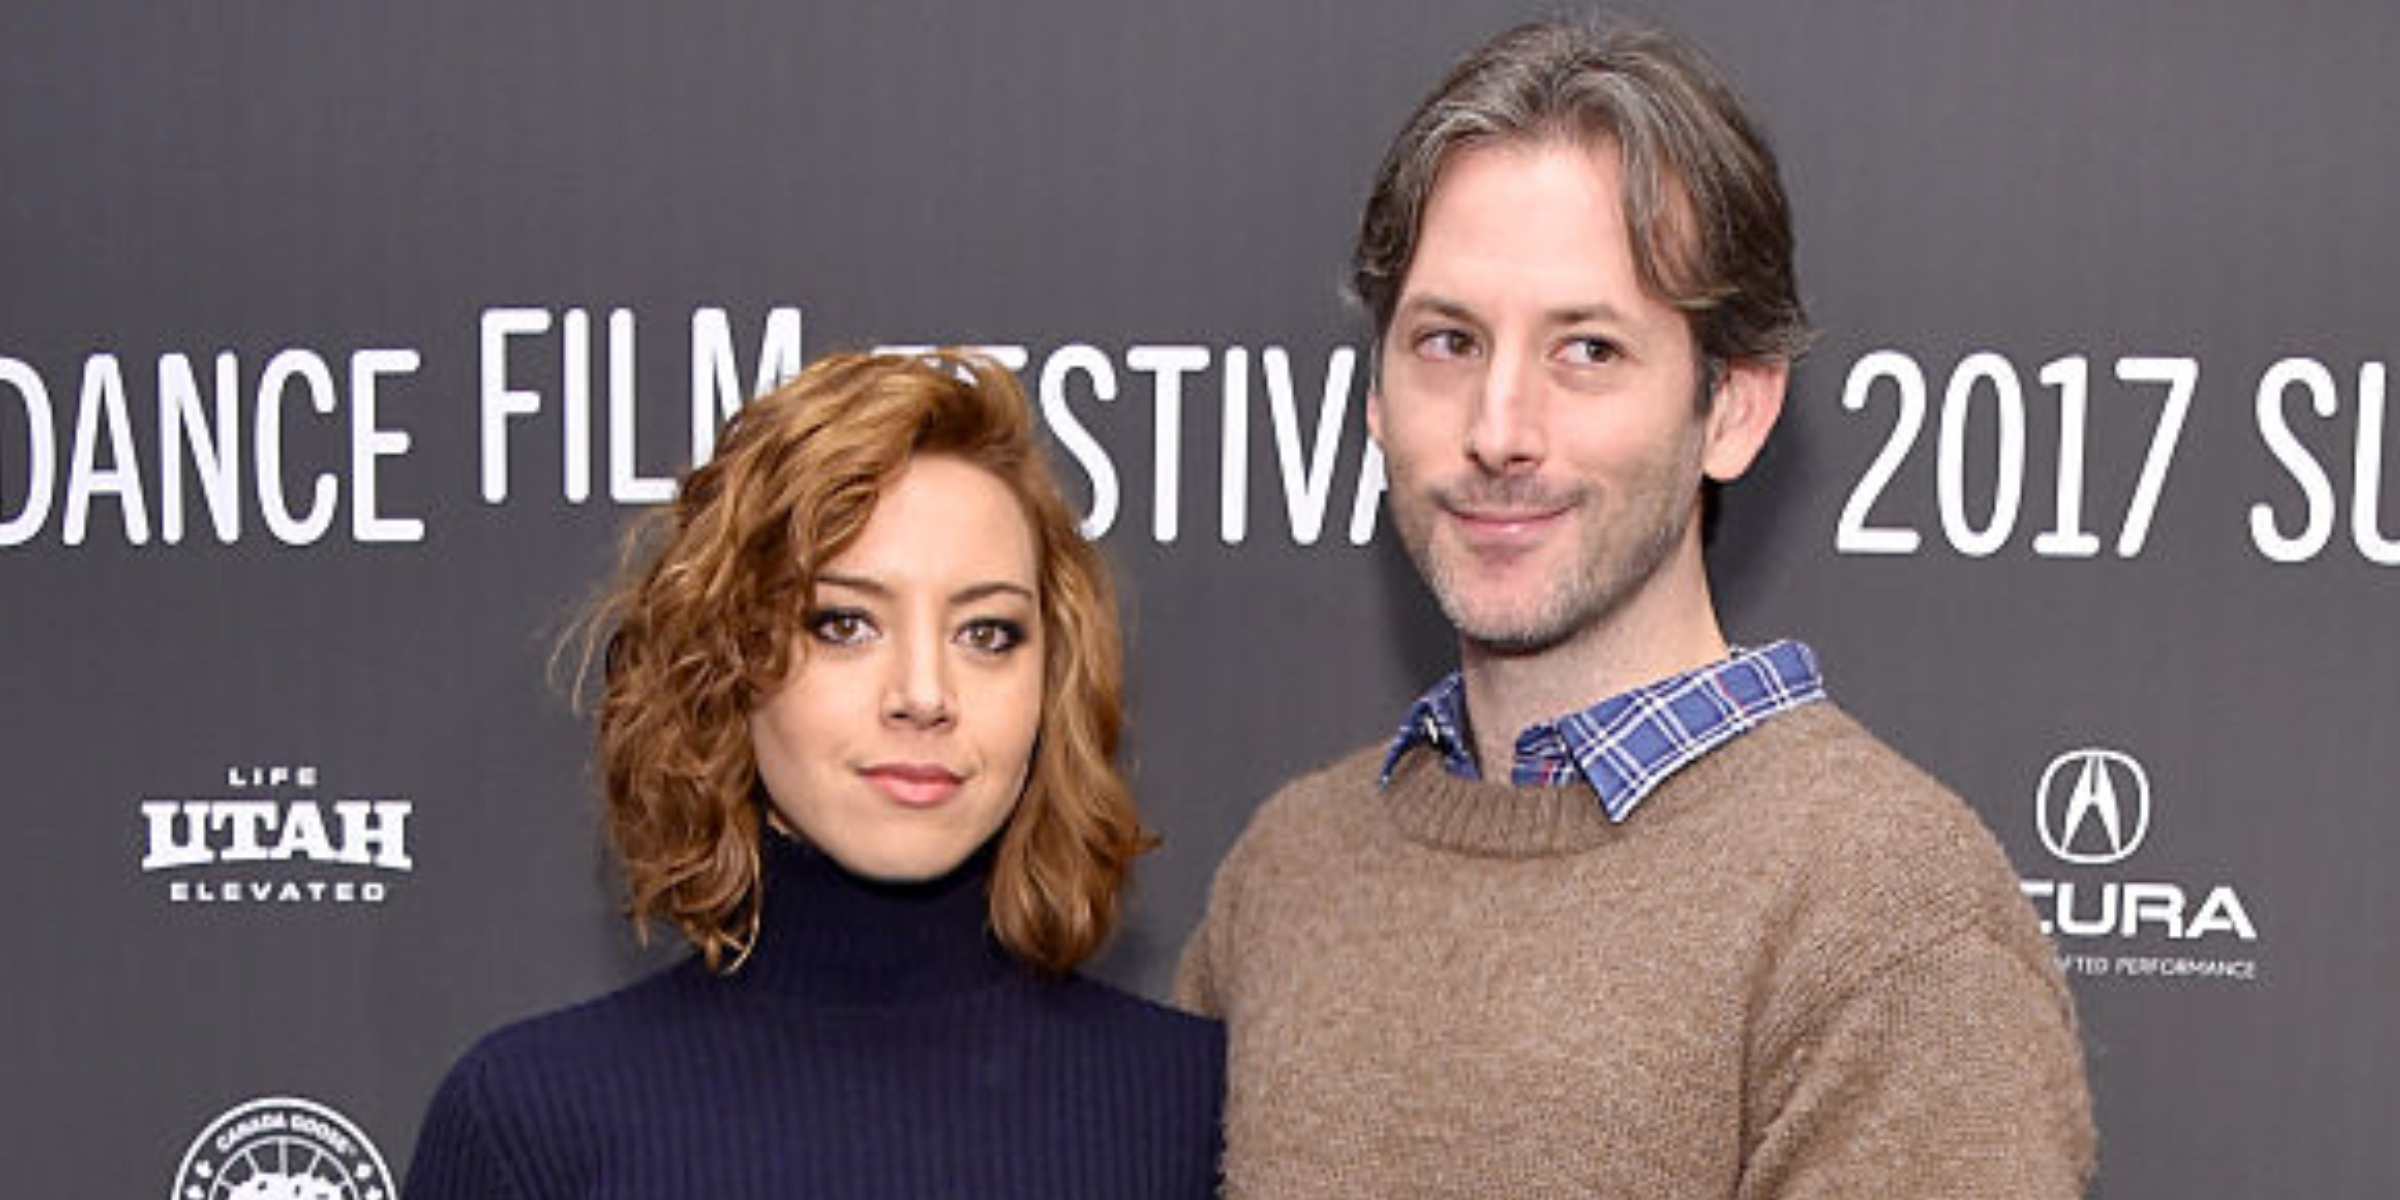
2101	789
268	836
2110	914
286	1148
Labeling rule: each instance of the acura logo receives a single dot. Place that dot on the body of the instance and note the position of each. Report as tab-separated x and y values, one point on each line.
2093	806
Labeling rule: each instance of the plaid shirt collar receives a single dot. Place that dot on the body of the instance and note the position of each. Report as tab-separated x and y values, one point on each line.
1628	744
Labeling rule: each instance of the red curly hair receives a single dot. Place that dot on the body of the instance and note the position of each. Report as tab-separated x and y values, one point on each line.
700	632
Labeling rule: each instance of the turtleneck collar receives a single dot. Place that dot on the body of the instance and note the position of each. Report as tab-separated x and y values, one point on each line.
830	936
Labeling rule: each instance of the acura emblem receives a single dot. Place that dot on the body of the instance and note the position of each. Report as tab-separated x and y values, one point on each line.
2093	806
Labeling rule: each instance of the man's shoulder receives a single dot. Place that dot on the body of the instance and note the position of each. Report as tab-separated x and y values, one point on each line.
1819	767
1854	825
1331	792
1320	810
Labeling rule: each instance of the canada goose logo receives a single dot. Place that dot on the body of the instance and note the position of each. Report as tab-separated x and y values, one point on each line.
2092	807
282	1146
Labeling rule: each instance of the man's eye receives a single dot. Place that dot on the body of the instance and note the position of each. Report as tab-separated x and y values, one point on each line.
992	635
840	626
1445	344
1590	351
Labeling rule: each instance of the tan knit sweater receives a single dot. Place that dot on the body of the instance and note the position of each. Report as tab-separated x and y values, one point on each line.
1801	968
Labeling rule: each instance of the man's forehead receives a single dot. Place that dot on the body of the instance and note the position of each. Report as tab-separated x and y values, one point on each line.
1529	228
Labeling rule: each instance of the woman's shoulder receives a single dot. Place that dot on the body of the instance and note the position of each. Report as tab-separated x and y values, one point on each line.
1165	1067
504	1093
1112	1026
569	1038
540	1080
1108	1004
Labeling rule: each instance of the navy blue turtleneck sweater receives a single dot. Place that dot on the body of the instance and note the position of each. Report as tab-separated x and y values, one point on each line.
878	1043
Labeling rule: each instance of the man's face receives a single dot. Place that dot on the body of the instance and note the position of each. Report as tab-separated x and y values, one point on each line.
1540	412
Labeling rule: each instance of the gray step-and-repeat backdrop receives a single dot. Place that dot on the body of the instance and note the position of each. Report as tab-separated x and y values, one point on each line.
338	341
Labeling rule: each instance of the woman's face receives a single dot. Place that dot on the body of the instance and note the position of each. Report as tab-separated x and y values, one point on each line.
900	740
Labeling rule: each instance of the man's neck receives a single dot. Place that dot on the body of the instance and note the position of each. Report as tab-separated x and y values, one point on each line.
1655	637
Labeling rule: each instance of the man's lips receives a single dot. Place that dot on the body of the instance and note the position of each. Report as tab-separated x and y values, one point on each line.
913	784
1504	527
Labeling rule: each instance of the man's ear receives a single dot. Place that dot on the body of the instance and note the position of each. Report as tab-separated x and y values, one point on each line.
1748	399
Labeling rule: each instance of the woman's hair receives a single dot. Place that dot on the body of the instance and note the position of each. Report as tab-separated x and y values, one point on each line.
701	632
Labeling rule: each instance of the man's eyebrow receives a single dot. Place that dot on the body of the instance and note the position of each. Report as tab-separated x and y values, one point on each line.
1438	305
1573	314
1597	310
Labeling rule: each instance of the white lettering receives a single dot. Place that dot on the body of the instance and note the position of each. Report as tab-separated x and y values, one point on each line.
499	402
2222	912
41	452
1167	365
1306	489
104	402
212	447
178	834
2160	904
625	484
375	832
310	369
303	835
1233	468
1853	535
247	823
1080	445
716	376
2125	910
1950	470
2366	499
1371	486
575	405
191	833
2073	925
2315	489
1013	357
369	443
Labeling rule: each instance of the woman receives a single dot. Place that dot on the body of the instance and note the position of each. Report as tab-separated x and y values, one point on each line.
857	742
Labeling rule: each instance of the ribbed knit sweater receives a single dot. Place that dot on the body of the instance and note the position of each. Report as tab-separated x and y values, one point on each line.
1800	968
877	1043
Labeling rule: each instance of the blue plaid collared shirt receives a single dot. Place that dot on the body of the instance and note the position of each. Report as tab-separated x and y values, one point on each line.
1630	743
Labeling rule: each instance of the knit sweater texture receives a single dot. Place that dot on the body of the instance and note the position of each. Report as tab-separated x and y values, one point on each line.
877	1043
1801	968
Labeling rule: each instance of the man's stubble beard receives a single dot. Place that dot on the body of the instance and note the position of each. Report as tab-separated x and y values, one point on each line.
1614	559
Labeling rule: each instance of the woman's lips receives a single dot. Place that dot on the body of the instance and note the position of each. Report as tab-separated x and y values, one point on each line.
914	784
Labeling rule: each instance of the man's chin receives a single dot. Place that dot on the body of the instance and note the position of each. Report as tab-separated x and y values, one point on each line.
1504	634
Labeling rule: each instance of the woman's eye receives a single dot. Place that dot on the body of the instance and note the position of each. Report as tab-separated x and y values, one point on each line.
1445	343
992	636
840	626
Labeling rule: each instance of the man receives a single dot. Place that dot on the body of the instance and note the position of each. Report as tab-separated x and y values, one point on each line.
1623	911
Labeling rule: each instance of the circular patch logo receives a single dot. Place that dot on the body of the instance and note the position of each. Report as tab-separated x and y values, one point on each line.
285	1148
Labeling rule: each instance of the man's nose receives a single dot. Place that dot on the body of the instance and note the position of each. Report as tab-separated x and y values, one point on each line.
1505	433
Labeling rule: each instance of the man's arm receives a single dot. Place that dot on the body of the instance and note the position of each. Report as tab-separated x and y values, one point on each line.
1197	974
1954	1071
1195	984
